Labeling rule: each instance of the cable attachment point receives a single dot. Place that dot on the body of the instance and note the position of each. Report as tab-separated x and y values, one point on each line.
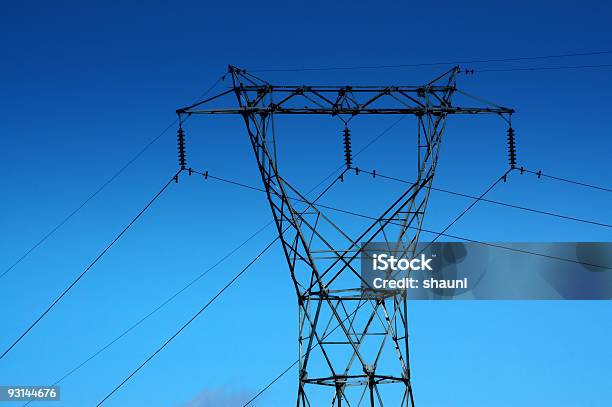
348	155
181	147
511	148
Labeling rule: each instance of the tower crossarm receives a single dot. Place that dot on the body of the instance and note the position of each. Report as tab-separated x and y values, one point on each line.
417	111
260	97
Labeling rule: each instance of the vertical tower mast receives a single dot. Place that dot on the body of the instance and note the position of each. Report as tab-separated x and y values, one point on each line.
353	343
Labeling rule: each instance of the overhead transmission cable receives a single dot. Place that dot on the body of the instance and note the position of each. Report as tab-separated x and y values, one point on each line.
426	64
186	324
523	208
543	68
98	190
160	306
470	206
89	267
86	201
569	181
443	233
442	190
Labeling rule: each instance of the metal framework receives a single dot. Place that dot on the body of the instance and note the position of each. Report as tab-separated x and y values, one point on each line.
353	344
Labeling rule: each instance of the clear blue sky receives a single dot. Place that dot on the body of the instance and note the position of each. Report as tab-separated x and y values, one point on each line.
85	87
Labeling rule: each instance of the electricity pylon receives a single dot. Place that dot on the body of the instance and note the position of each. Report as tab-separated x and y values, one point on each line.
353	342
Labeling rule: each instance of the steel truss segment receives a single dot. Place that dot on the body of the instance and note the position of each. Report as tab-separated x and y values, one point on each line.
354	111
353	345
341	99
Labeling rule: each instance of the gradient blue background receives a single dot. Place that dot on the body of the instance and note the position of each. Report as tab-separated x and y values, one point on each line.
85	87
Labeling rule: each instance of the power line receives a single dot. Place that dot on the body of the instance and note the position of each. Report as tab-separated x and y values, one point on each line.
543	68
475	241
523	208
423	64
160	306
100	189
470	206
443	233
186	324
446	191
89	198
541	174
102	253
277	378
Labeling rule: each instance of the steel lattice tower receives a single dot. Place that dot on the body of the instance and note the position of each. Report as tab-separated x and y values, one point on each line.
353	344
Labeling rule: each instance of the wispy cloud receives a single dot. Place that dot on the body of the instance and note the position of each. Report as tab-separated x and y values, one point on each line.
219	397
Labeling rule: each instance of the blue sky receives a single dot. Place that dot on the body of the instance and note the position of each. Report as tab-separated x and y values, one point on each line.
85	87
